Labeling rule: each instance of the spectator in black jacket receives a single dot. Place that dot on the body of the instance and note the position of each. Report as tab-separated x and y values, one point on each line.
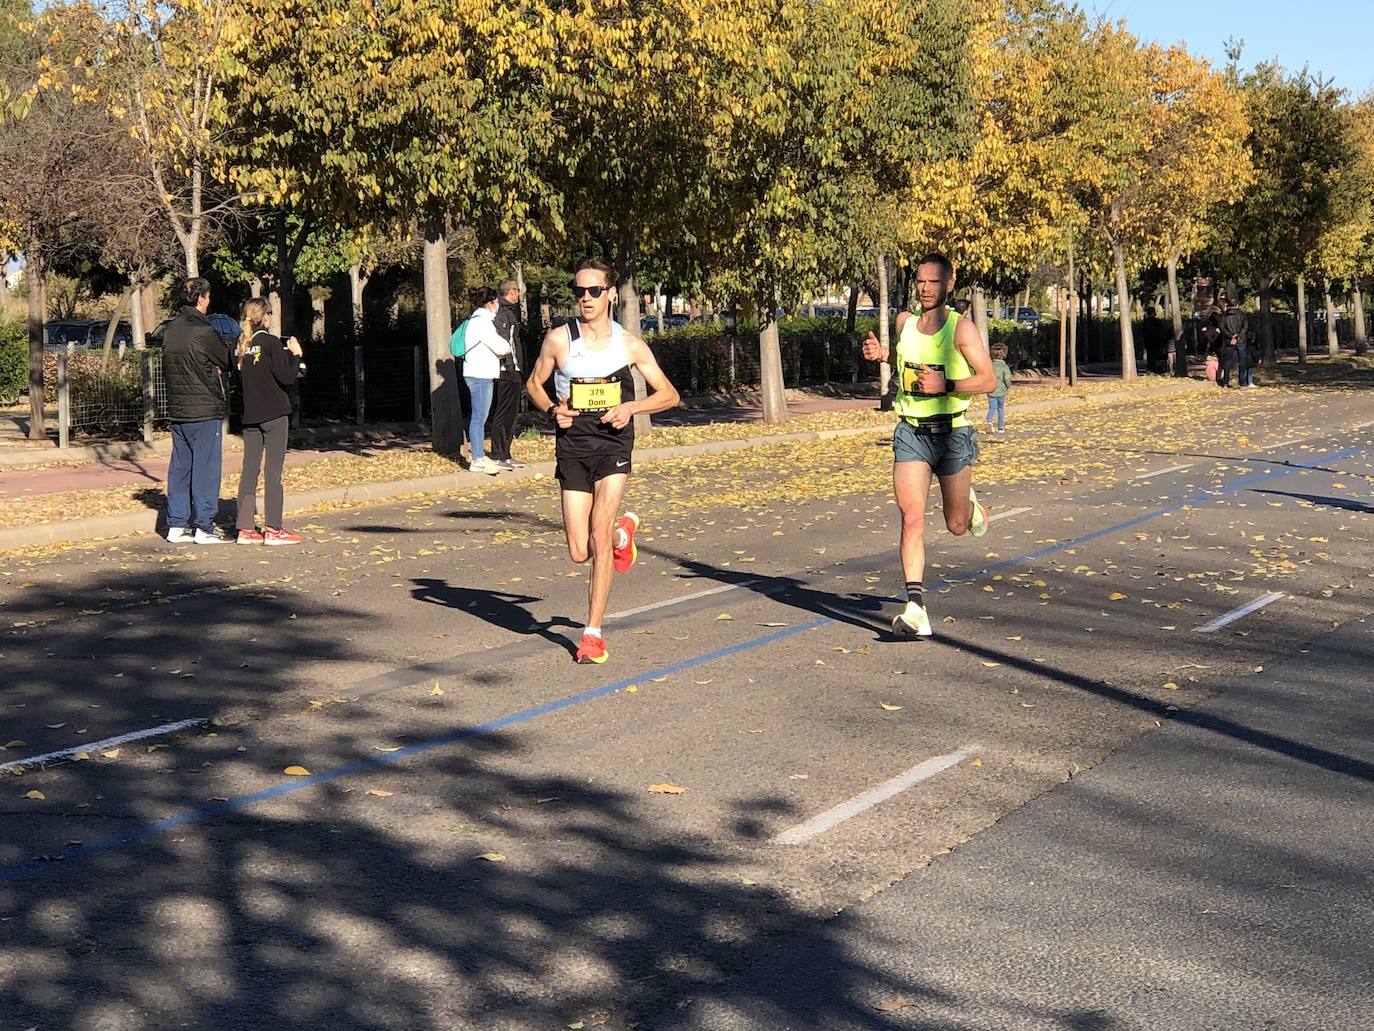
510	386
267	367
1235	352
194	364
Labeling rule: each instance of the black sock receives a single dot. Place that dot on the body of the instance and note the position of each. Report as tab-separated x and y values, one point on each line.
916	593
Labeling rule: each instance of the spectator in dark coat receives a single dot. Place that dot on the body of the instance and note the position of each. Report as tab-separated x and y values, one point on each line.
195	361
510	387
1236	354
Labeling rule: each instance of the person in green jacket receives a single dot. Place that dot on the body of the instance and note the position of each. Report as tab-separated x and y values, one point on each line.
997	400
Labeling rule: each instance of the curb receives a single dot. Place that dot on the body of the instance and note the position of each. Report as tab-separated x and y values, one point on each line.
131	450
98	527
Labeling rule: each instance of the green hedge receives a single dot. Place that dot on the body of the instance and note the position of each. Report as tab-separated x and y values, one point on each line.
14	359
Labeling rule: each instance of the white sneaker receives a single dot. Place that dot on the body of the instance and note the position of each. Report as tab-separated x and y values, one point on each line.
912	622
215	536
484	465
179	535
978	521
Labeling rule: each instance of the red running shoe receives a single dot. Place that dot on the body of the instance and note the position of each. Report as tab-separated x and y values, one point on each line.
271	536
252	536
625	557
591	649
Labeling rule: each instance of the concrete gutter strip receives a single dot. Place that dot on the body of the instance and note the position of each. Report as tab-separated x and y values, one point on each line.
96	527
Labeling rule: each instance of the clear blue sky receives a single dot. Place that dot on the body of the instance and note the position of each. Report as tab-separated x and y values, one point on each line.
1332	37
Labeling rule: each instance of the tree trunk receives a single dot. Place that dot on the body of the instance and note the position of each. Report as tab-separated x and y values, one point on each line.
111	329
190	247
1061	305
136	323
317	319
1266	322
1123	312
1071	304
35	277
446	417
1302	320
357	283
1357	308
658	304
979	306
4	283
884	333
629	313
274	301
770	365
1176	314
1333	344
853	313
285	306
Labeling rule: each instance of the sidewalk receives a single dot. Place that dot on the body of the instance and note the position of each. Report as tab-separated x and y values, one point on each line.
150	471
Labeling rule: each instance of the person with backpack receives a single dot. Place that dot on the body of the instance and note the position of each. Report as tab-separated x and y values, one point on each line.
267	369
481	348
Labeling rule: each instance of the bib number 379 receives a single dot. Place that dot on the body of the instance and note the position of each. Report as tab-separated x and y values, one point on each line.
595	395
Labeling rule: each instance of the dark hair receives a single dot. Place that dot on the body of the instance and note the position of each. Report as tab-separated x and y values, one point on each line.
936	258
596	265
998	351
192	290
481	296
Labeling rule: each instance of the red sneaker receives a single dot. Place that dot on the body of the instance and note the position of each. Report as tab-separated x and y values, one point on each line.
271	536
591	649
624	558
253	536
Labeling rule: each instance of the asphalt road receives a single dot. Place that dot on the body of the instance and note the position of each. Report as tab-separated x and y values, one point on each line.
1058	765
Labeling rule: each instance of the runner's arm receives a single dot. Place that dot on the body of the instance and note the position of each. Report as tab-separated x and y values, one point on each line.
970	344
872	346
544	367
662	394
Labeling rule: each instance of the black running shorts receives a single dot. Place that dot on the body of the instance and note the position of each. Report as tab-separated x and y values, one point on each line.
580	473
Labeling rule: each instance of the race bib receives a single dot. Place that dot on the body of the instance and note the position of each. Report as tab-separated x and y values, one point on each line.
910	372
594	394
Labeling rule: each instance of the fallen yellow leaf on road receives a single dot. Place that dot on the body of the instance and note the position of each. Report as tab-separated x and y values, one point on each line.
1171	686
380	792
665	789
991	664
724	616
493	857
1115	596
899	1002
890	708
975	762
296	771
38	795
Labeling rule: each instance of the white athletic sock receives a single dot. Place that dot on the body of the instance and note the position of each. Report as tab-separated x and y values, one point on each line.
593	631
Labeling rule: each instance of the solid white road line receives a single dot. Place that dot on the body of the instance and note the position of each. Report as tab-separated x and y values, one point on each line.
1235	614
804	832
109	742
685	598
1160	472
1007	514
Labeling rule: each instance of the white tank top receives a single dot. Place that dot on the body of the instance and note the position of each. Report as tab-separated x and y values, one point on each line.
584	362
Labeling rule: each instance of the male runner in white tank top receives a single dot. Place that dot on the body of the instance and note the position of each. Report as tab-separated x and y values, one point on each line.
590	359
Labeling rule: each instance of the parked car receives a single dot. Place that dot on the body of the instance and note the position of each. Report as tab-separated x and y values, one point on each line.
1027	316
83	333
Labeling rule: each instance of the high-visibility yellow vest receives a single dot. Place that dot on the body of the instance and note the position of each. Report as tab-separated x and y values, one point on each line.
938	351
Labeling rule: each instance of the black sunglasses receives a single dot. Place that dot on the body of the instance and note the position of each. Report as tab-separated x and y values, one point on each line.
595	291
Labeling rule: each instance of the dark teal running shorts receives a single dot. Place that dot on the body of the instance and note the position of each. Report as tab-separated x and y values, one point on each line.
945	453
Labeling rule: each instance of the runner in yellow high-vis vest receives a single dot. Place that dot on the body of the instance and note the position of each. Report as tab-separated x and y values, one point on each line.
940	363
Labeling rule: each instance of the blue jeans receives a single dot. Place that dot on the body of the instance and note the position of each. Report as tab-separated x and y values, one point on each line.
997	406
193	475
481	391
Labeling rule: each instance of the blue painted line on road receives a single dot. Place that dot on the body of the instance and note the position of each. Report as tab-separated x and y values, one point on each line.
1197	497
193	816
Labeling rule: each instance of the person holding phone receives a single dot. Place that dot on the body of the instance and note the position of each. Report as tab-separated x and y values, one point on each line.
590	360
941	362
267	368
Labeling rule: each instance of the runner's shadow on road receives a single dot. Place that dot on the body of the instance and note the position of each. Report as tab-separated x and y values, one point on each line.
499	608
1346	504
858	610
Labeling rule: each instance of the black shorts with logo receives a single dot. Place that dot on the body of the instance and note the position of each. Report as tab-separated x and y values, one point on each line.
580	472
